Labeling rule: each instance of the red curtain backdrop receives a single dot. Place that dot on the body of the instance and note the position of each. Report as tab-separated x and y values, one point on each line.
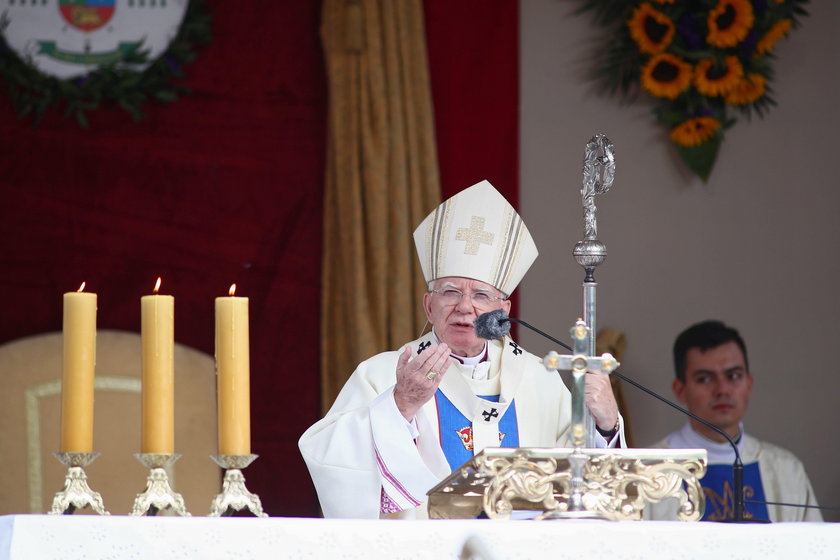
474	65
226	186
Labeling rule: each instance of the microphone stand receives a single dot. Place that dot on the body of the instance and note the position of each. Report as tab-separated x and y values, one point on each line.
737	467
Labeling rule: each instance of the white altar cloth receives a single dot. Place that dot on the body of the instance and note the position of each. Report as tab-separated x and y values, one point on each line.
88	537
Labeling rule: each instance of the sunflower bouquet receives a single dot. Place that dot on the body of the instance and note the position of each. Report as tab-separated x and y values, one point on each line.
703	61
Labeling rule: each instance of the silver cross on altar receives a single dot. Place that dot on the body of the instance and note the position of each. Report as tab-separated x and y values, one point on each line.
579	363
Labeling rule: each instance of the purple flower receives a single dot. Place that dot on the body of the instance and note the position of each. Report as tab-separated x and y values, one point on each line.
747	46
687	29
173	64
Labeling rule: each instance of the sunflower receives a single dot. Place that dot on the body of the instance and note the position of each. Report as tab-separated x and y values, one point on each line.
748	89
652	30
695	131
666	75
775	33
729	22
712	78
704	63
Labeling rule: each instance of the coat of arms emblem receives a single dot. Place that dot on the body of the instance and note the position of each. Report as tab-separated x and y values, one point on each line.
87	15
70	38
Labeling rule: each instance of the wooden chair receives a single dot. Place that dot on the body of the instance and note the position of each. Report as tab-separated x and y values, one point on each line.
30	411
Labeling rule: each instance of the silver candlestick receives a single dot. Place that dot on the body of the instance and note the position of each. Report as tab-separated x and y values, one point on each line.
235	496
158	494
76	494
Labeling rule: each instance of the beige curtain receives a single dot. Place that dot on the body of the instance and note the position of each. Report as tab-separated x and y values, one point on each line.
381	181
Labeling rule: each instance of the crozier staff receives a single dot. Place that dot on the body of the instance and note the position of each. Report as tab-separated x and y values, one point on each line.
405	419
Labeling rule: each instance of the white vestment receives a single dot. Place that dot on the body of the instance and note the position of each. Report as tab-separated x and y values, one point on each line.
782	474
364	453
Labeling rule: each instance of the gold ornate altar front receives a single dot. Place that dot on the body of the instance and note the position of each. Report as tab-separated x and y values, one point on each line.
617	483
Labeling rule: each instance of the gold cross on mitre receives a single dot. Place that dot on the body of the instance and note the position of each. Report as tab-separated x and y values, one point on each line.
474	236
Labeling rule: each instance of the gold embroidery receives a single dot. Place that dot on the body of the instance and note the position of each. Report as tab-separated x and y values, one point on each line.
474	236
465	434
723	506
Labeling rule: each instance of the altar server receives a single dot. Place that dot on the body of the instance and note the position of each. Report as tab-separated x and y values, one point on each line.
713	380
406	418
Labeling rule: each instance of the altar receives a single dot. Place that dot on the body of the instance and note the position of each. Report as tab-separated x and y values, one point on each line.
93	537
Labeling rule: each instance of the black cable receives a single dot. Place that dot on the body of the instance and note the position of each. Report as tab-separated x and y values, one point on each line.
827	508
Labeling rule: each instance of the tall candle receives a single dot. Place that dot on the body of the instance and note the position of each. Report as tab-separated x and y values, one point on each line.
232	374
157	313
79	364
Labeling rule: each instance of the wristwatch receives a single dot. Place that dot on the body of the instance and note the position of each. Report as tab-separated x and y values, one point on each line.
608	434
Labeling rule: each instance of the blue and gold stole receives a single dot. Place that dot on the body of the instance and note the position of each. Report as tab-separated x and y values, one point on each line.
720	498
456	429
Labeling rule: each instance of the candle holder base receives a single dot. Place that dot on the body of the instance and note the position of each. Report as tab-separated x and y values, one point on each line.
76	494
158	495
235	496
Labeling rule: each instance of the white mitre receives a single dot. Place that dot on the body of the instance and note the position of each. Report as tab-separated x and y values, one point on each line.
476	234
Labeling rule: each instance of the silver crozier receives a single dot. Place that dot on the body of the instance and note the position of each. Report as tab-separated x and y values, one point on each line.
598	174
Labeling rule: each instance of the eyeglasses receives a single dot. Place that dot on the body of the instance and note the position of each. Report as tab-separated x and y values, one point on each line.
451	296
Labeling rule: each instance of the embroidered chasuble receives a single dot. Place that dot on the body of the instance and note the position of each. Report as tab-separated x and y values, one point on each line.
367	461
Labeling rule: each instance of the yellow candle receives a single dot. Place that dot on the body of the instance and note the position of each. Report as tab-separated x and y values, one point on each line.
157	313
78	370
232	374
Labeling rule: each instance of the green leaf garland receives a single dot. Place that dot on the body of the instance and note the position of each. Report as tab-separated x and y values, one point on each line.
34	93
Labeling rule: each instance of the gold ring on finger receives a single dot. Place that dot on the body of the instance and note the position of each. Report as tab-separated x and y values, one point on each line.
431	375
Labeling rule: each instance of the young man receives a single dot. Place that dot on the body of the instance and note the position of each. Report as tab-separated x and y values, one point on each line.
406	419
713	380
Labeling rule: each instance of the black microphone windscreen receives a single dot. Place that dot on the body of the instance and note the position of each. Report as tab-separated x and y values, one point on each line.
492	325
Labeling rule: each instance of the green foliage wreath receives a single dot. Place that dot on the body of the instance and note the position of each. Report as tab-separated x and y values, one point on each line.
33	93
701	60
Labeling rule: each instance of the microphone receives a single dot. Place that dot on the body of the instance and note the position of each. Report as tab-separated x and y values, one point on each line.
496	324
492	325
